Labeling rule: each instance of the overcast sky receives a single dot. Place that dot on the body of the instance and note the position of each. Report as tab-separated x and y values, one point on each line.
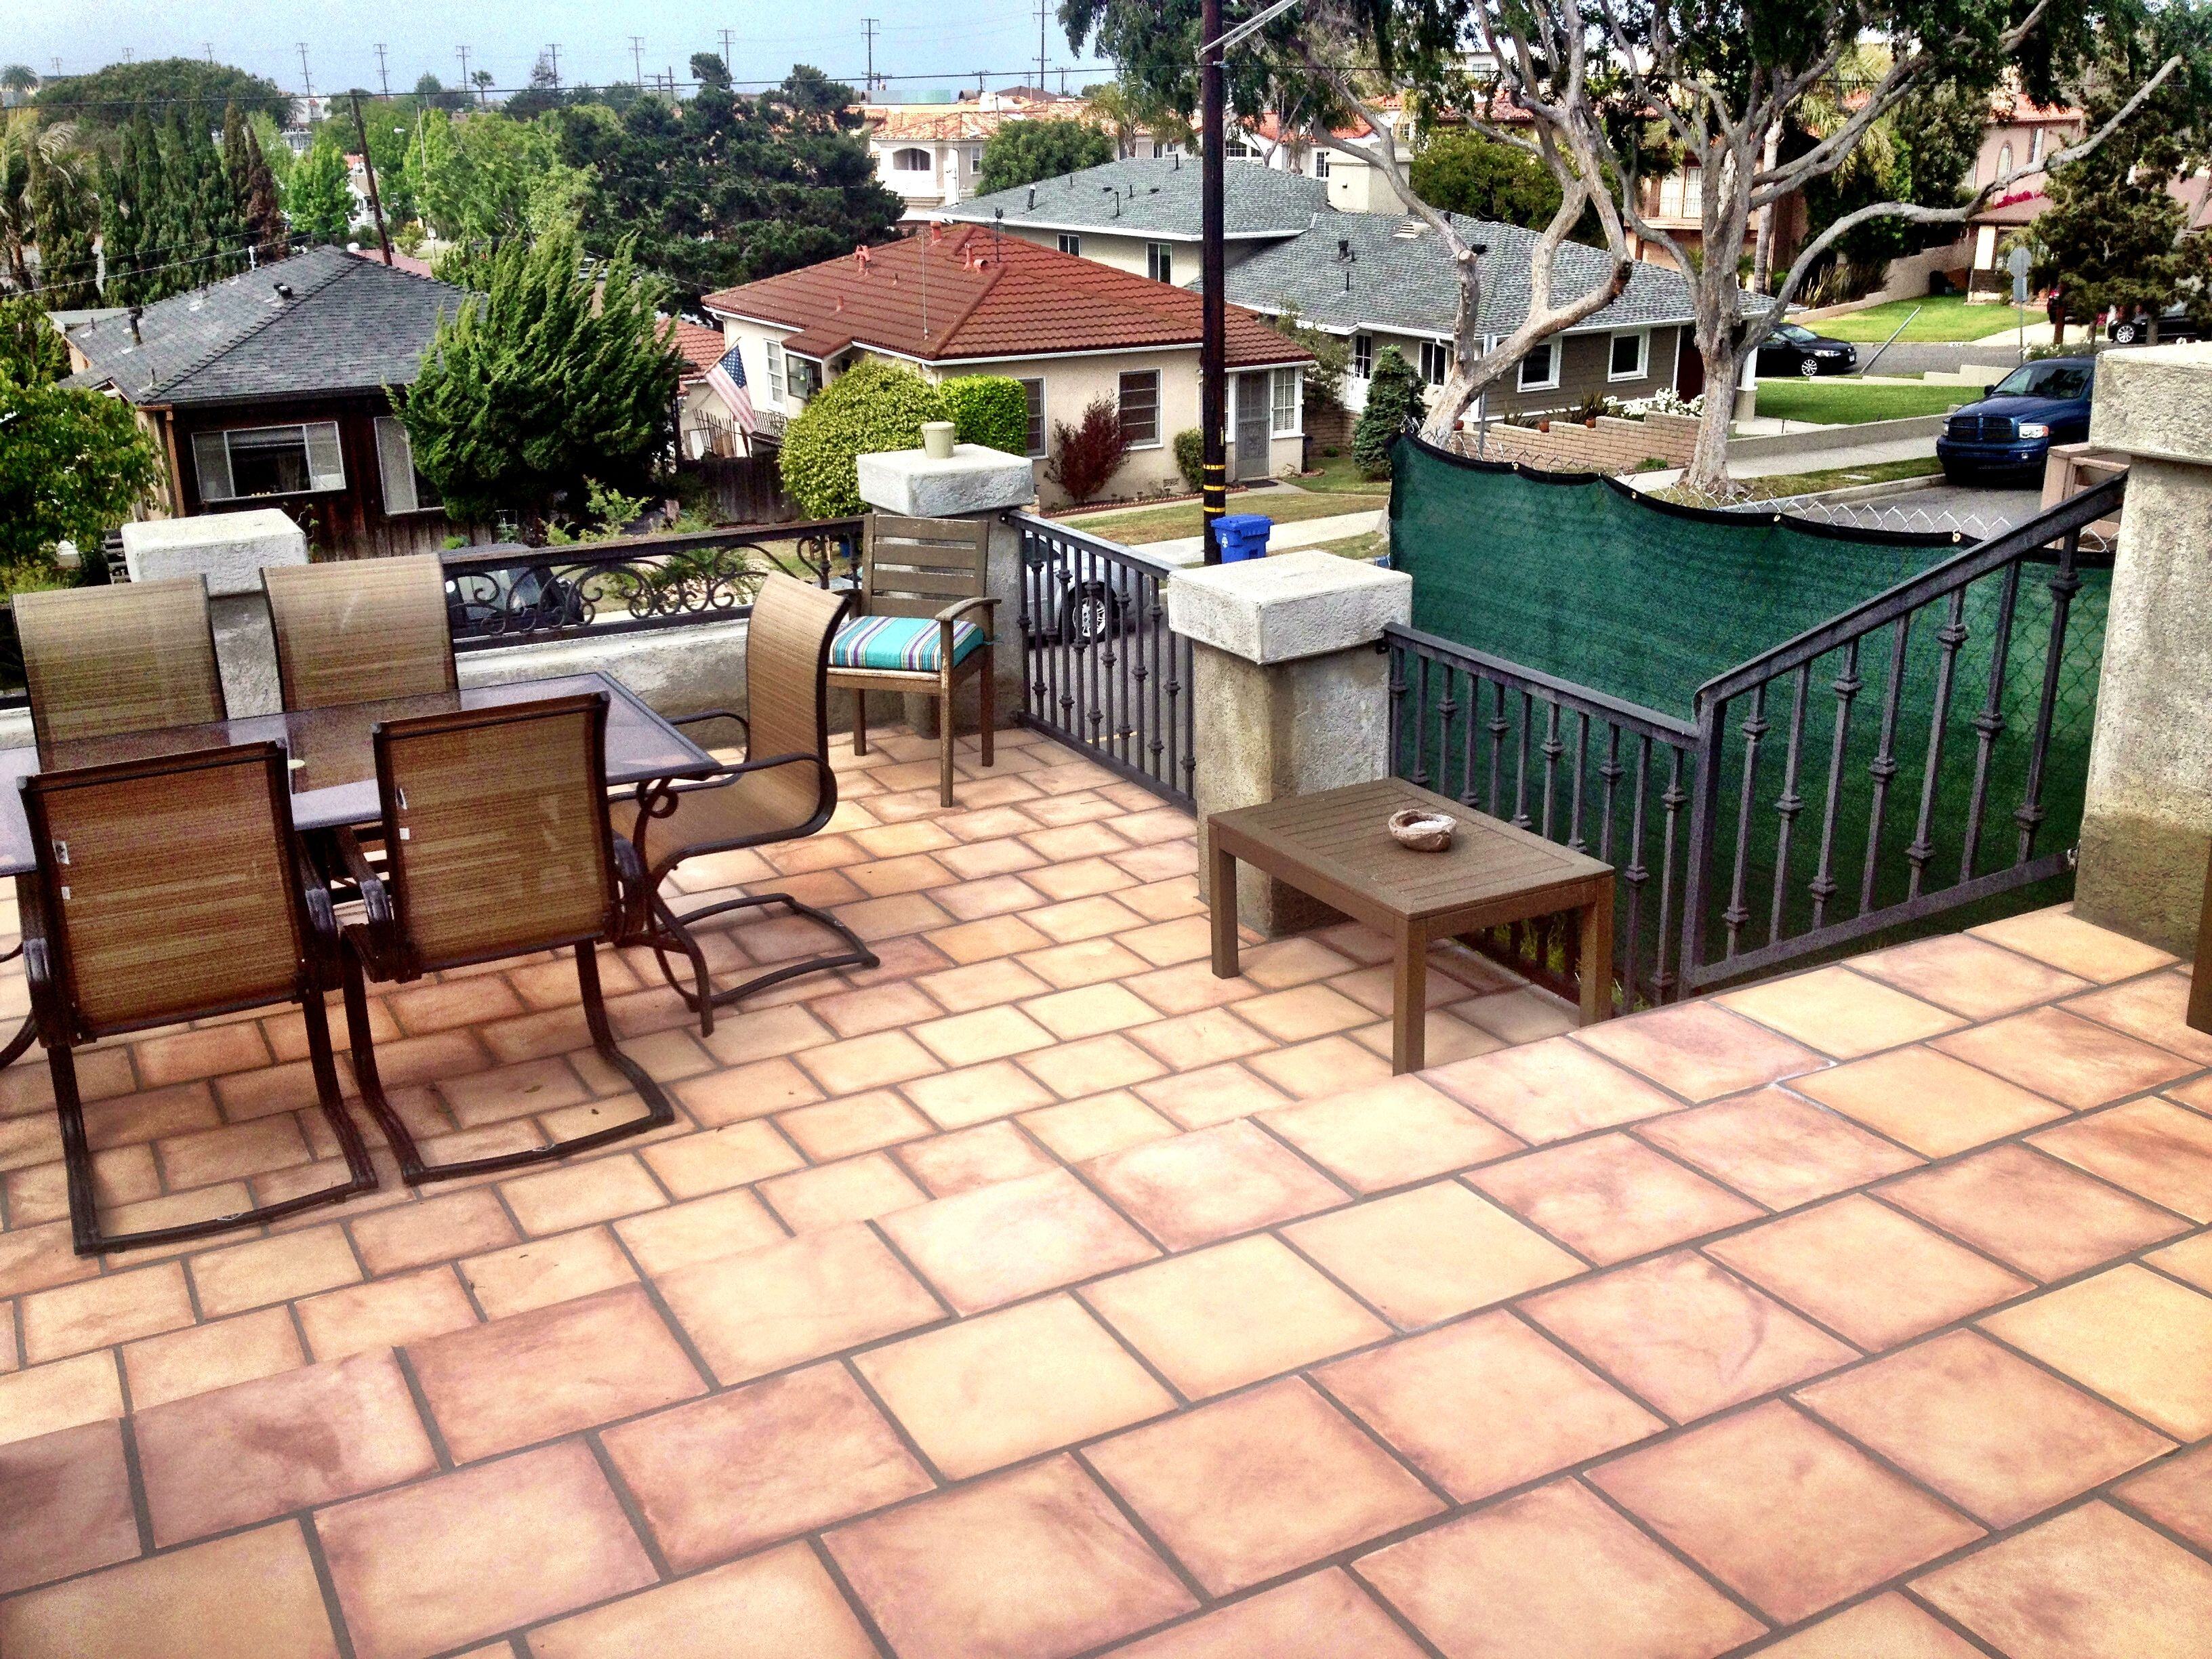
915	38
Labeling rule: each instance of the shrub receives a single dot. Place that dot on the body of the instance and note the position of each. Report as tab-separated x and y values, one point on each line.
1394	397
1190	457
871	408
1086	455
989	410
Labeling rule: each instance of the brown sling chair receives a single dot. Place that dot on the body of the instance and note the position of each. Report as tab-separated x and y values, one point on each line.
783	790
497	842
360	630
172	890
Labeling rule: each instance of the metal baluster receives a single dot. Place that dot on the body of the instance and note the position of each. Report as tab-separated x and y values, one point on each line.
1095	684
1025	591
1754	728
1499	728
1672	803
2030	813
1467	738
1397	715
1575	838
1181	648
1848	685
1950	637
1989	724
1635	874
1446	711
1611	772
1063	666
1521	818
1552	748
1419	775
1791	803
1882	768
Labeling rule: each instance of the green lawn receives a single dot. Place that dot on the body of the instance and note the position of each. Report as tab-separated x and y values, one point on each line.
1845	402
1947	318
1166	524
1779	485
1336	473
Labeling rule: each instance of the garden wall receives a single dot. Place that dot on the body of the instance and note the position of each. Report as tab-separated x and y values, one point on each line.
1612	445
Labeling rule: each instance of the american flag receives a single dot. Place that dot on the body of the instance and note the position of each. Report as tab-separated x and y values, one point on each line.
727	377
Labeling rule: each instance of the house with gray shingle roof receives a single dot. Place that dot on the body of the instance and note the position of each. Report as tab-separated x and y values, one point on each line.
269	389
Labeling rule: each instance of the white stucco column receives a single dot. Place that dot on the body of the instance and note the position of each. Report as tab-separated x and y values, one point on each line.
1292	689
231	549
2147	822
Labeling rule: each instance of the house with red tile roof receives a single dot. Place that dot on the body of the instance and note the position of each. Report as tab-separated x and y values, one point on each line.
967	300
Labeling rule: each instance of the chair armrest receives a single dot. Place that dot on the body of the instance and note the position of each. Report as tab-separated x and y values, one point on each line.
633	894
49	1008
715	715
983	602
376	897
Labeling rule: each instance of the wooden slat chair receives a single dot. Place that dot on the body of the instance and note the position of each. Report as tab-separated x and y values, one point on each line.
782	790
922	583
131	658
361	629
497	842
166	890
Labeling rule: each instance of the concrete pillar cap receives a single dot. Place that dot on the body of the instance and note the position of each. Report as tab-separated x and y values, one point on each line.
1304	603
2155	402
230	549
972	479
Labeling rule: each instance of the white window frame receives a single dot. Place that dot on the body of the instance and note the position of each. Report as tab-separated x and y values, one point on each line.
795	367
1363	356
1042	418
926	163
1160	261
318	483
1437	354
1283	381
1071	243
1550	380
1121	403
1642	339
774	381
1320	164
2035	146
405	494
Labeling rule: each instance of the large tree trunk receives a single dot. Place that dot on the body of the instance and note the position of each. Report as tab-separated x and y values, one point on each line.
1723	360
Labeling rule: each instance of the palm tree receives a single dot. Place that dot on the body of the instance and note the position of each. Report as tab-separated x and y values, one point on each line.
22	134
19	82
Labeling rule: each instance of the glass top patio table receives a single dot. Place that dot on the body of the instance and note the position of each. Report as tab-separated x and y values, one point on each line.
334	758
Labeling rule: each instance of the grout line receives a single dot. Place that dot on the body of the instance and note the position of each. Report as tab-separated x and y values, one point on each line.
326	1582
817	1540
632	1511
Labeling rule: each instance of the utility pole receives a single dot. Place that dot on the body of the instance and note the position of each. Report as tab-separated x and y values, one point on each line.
368	166
637	60
728	36
1212	356
307	81
868	27
1042	13
553	58
383	80
462	52
207	50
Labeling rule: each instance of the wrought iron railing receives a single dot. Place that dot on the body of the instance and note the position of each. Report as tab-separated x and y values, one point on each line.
1603	776
514	595
1101	669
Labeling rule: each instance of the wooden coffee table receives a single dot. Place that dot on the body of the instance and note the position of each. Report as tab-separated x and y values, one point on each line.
1333	846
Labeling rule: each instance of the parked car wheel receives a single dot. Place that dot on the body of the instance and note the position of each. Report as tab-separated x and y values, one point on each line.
1808	369
2124	333
1091	617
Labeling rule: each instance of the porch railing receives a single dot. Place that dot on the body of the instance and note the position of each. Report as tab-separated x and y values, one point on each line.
507	596
1101	669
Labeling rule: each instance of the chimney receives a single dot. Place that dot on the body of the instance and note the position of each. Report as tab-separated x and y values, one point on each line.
134	314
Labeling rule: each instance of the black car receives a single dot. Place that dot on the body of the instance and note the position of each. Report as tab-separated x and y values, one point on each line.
2125	328
1793	351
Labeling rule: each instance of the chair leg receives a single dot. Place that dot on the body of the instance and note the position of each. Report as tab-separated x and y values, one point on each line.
946	726
987	700
85	1230
704	1001
667	932
860	722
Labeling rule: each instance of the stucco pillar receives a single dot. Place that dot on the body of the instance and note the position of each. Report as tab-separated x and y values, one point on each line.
1292	692
976	483
2148	819
231	549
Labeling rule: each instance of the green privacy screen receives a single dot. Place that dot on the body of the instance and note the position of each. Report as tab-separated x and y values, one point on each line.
1578	577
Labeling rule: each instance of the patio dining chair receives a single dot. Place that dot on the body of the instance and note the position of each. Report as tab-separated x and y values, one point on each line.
359	630
497	843
129	658
782	790
115	941
915	630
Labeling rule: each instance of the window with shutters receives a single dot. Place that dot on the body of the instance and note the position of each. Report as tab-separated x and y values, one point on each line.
268	460
1140	408
1159	262
405	490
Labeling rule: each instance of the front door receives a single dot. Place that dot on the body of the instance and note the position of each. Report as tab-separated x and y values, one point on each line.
1252	418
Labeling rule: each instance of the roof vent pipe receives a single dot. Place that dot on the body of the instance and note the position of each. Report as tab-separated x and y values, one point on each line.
134	314
1032	202
284	290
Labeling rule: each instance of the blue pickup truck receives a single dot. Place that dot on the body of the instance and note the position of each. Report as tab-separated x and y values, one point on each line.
2006	434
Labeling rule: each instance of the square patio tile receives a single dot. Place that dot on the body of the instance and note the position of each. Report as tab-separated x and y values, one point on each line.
1888	1627
64	1505
1218	1318
1777	1149
2191	1260
1335	1065
1551	1090
990	1391
440	1228
2153	1147
1390	1134
724	1476
1685	1336
544	1271
1210	1183
874	1061
577	1194
1700	1050
1095	1126
93	1313
1927	1101
1213	1094
1090	1010
2177	1493
185	1602
2001	1438
771	1605
1259	1484
1484	1404
815	1295
2075	1061
41	1398
1554	1571
1782	1511
1841	1012
2032	1213
832	1195
2143	1341
1866	1271
1204	1038
1968	976
258	1450
1612	1197
976	1094
541	1374
1303	1012
857	1123
999	1245
714	1160
1072	1069
699	1229
1426	1254
969	1158
387	1313
1036	1561
200	1358
2155	1008
1324	1615
2057	937
2088	1585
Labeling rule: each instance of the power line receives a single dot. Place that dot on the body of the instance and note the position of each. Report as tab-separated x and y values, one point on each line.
383	80
868	27
306	79
637	60
728	36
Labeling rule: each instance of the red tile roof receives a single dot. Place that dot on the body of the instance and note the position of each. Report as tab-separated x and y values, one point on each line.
985	296
406	262
703	347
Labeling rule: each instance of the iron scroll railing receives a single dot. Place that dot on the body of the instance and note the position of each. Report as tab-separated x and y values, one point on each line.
1101	669
510	596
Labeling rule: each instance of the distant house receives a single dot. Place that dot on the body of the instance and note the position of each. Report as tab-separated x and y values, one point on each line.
931	154
268	389
974	302
704	423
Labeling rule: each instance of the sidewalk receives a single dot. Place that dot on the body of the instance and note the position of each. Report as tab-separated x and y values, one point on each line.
1311	532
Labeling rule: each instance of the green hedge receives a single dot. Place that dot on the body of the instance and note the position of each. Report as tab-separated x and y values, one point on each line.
1190	457
873	407
989	410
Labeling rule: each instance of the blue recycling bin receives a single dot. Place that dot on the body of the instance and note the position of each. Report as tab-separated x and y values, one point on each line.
1242	535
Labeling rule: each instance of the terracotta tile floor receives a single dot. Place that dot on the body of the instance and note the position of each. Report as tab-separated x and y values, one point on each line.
1038	1294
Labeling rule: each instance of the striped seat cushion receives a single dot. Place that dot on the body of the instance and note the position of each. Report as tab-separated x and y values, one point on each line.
913	645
